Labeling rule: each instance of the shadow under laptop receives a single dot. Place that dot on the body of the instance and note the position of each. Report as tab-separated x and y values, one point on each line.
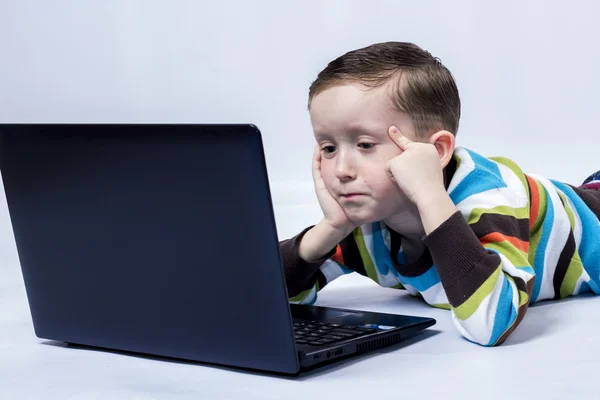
327	367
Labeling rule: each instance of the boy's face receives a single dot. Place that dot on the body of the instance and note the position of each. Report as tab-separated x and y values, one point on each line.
350	124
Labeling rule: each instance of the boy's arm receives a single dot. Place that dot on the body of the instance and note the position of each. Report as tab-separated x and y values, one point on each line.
480	252
306	255
483	266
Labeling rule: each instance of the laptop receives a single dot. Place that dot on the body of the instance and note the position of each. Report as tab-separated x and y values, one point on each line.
160	239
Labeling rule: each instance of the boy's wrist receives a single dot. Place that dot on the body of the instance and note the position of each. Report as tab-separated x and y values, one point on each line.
320	240
435	209
334	231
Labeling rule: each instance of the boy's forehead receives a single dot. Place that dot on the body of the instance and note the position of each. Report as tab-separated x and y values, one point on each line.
352	107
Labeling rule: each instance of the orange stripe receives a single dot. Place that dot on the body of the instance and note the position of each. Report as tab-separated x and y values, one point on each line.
496	237
338	255
534	207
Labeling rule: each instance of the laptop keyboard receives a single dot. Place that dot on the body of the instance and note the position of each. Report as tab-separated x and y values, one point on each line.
317	333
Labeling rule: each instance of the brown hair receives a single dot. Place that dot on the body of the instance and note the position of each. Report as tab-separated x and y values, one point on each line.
421	86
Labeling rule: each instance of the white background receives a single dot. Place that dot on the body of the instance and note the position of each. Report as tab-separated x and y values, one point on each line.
527	72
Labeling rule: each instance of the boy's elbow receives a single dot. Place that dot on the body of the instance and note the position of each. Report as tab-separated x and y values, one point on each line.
493	338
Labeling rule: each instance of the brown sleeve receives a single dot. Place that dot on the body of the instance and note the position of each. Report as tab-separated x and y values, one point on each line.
591	197
461	261
299	274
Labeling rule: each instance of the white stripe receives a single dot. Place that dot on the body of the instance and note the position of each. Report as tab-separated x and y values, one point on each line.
387	239
481	323
331	270
435	294
513	182
510	269
577	235
577	230
388	279
490	199
465	167
410	289
584	277
461	329
556	242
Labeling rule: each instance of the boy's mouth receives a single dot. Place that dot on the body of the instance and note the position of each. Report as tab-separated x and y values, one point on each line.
351	195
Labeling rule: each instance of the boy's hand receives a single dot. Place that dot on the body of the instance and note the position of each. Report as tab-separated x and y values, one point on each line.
333	214
417	171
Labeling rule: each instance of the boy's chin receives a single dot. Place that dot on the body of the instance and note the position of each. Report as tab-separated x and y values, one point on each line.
363	218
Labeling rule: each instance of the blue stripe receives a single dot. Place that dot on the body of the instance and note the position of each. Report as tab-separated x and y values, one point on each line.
538	262
485	176
584	288
424	281
526	268
383	260
589	248
505	312
401	258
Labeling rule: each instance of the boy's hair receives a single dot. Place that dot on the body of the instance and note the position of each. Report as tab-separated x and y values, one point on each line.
420	85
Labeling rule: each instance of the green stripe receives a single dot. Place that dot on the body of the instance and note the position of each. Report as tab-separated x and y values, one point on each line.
519	213
517	257
515	169
466	309
523	296
364	254
536	230
568	210
575	268
301	296
572	275
542	206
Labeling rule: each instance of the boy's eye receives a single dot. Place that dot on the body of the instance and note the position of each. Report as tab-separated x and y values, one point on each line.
366	146
328	149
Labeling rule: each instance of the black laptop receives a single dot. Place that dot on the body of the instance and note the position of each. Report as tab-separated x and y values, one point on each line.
161	240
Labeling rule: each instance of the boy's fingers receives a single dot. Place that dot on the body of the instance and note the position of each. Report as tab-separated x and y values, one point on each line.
317	154
402	141
316	161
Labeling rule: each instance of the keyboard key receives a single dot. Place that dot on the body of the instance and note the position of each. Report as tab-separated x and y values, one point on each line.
348	331
301	341
343	334
316	343
334	337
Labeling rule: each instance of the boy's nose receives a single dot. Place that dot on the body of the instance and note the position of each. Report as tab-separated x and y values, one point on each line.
344	168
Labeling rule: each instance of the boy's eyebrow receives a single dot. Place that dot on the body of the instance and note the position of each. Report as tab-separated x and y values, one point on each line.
365	130
322	135
354	130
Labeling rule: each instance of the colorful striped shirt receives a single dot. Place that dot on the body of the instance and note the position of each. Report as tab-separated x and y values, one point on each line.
515	239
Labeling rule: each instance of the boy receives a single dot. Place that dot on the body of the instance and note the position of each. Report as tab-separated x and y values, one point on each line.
404	207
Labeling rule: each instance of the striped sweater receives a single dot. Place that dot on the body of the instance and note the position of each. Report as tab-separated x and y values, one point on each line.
515	239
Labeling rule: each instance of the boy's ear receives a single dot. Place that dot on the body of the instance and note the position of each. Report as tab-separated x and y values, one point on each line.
444	143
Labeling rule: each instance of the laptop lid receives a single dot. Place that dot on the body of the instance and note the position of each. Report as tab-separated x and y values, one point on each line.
157	239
